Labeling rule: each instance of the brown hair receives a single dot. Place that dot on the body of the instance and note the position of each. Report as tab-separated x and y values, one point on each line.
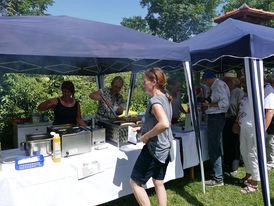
158	75
68	85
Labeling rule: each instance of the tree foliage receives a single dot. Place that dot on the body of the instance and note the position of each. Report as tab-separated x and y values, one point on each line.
24	7
176	20
137	23
20	95
266	5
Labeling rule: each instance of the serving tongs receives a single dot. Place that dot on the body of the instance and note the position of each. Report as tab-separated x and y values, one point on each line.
111	109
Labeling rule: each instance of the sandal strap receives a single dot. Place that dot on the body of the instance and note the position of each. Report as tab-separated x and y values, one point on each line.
247	189
256	187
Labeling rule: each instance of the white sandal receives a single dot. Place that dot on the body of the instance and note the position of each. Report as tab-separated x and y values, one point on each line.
249	189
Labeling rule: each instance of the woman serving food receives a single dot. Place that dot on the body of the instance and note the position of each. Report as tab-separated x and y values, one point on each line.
66	108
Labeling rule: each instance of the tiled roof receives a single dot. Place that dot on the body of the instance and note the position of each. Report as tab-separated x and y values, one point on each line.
246	13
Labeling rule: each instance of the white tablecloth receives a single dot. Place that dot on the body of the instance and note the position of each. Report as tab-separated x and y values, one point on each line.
58	184
190	151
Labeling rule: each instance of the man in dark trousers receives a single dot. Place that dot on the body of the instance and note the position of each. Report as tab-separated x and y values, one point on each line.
217	105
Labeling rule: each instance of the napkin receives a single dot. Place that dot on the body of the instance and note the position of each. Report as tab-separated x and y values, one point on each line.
132	135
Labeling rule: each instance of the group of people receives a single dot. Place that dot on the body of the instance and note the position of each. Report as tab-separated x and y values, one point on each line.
67	109
155	131
227	109
230	119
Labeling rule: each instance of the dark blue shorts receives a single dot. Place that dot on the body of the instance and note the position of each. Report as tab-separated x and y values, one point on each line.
147	166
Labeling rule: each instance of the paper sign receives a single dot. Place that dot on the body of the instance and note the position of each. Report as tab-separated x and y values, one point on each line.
132	135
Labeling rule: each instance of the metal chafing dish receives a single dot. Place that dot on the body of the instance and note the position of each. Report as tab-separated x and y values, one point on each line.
98	134
117	129
37	144
74	139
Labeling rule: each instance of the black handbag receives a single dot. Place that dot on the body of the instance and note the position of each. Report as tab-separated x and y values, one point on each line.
270	129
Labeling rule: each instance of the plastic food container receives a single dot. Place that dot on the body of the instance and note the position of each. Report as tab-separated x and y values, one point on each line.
29	162
36	118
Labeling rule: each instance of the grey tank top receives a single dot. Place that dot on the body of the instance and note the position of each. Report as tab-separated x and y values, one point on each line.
159	145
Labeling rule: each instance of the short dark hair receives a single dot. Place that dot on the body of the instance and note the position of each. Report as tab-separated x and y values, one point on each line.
117	79
69	86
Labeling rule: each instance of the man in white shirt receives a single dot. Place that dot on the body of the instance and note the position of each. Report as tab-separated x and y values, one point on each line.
217	105
269	125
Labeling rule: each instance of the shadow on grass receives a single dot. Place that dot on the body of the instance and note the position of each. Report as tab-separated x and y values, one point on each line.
175	185
180	190
229	180
123	201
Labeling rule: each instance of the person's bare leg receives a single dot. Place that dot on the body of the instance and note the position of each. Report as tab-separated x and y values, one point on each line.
139	193
246	178
160	192
254	183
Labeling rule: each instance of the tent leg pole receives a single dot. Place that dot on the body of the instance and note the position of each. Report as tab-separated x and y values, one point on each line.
254	79
100	81
131	87
194	116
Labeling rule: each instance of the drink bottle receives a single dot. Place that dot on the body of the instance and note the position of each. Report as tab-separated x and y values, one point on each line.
56	147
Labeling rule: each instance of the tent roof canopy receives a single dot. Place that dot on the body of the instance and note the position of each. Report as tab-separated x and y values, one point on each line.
67	45
224	46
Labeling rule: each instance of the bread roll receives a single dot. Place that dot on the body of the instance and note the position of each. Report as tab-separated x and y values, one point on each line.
127	124
118	122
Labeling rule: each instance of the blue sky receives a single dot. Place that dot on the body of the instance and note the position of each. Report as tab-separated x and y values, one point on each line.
108	11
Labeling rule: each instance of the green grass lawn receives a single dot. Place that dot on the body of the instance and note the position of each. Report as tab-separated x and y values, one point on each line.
184	191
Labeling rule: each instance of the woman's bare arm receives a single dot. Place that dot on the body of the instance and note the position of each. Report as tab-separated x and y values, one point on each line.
163	123
79	117
48	104
268	117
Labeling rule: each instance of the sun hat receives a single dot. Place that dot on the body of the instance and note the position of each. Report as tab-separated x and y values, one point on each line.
229	74
208	74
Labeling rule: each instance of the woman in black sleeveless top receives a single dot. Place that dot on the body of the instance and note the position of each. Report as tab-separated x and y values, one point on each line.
66	108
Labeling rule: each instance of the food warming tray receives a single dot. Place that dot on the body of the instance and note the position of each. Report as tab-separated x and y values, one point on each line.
116	133
38	144
74	140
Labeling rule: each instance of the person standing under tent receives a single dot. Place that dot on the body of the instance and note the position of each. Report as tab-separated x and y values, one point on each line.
217	105
231	141
174	90
110	100
269	120
157	136
248	144
66	108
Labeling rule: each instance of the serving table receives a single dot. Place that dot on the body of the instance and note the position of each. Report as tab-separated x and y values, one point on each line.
58	183
190	151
